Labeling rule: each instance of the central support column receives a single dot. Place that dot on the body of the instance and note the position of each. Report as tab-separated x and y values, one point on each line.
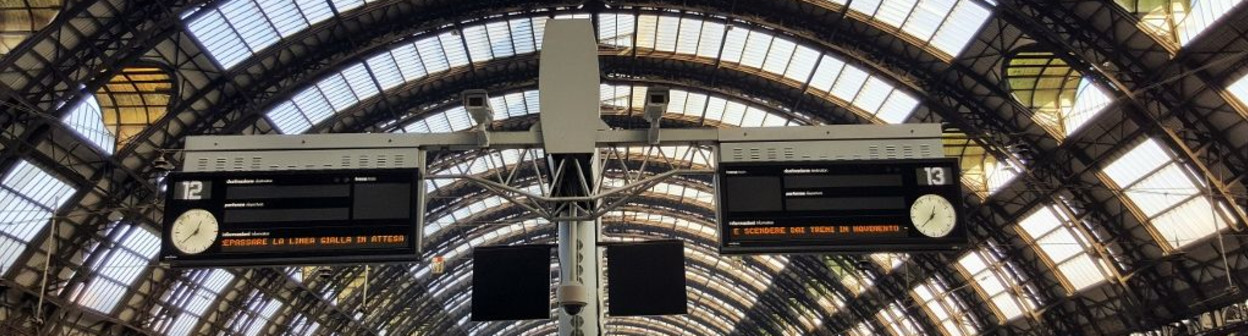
570	119
578	248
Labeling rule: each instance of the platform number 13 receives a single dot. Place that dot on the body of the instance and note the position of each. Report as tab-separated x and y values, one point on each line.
936	175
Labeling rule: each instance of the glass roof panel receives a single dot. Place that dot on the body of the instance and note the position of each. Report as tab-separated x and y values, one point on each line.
1239	90
1168	193
939	303
86	120
944	25
1065	246
750	47
897	320
28	198
116	266
285	18
207	285
987	272
960	27
1201	15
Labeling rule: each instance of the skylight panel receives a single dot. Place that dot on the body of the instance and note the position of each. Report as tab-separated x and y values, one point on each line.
1168	194
1090	100
862	328
346	5
209	285
711	38
960	27
28	198
694	105
1239	90
666	33
334	89
219	40
1064	246
897	321
779	56
615	29
262	319
889	261
926	18
756	48
802	64
285	17
676	101
385	70
995	283
1202	15
86	120
313	105
849	83
360	81
314	10
938	301
117	265
478	43
500	39
715	107
522	35
734	44
826	74
867	7
898	107
453	50
255	31
894	12
690	29
1140	160
872	95
431	55
288	119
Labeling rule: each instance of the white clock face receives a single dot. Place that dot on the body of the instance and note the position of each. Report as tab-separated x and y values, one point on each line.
933	215
194	231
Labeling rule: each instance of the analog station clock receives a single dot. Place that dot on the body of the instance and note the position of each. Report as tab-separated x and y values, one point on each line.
933	215
194	231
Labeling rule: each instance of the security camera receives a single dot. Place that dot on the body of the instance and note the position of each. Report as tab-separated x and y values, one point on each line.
656	104
477	102
572	298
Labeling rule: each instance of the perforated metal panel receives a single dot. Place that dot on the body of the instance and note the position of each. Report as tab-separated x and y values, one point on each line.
301	160
831	150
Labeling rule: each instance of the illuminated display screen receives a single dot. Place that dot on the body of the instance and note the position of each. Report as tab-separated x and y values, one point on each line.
841	206
290	217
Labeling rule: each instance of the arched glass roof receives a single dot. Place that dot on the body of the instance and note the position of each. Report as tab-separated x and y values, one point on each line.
1138	150
753	48
230	32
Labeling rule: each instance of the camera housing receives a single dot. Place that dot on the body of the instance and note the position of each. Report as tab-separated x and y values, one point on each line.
572	298
656	104
477	102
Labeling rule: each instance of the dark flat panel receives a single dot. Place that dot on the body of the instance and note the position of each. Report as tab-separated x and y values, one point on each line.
284	215
752	193
511	283
834	181
296	191
646	279
382	201
845	203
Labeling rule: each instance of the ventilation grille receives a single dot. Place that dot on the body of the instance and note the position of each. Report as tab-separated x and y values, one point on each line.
299	160
832	150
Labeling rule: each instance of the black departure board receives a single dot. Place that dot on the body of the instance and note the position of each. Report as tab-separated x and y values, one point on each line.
910	205
291	217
